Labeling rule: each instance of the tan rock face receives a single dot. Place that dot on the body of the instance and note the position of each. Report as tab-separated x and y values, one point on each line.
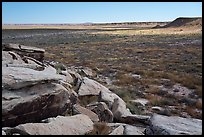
82	110
28	94
9	57
18	77
74	125
90	87
32	104
119	109
102	110
22	50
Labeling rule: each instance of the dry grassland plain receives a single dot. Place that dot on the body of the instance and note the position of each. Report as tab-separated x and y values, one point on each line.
118	52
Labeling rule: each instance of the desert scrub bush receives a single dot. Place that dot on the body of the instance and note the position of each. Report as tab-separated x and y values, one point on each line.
193	112
199	104
100	128
125	80
156	100
60	67
153	89
149	81
125	94
134	109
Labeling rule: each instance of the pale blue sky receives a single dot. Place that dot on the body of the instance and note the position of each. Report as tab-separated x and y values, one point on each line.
97	12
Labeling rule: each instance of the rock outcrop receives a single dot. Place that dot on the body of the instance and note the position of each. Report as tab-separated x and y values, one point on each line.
22	50
49	98
81	110
90	87
30	95
174	125
34	103
74	125
102	110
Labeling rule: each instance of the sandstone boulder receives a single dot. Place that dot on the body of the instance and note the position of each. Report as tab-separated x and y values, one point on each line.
102	110
133	130
108	97
9	57
174	125
118	131
73	125
128	129
69	78
90	87
18	77
77	109
22	50
34	103
119	109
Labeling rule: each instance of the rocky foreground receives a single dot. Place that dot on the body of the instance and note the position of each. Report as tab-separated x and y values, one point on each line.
48	98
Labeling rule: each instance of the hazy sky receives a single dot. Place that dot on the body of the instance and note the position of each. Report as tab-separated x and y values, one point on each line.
97	12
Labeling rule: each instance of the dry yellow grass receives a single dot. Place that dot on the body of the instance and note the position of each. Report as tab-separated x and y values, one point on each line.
100	128
77	27
144	31
47	27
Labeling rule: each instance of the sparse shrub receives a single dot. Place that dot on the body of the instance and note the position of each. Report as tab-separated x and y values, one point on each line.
167	101
160	101
59	67
199	90
100	128
193	112
125	80
154	99
153	89
199	104
134	109
125	94
188	101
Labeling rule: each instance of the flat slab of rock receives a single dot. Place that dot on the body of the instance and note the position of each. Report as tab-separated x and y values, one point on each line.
32	104
133	130
129	129
133	119
18	77
117	131
174	125
21	47
34	52
73	125
90	87
82	110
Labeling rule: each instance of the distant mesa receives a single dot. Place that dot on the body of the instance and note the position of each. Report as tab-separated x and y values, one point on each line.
157	26
183	22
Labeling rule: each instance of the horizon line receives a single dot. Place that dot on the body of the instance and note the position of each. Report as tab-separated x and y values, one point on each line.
87	23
